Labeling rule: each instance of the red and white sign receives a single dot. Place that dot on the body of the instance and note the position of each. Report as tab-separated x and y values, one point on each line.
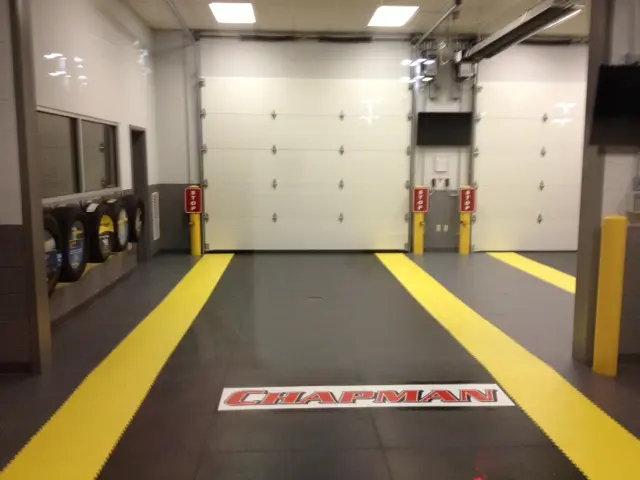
370	396
193	200
468	200
420	199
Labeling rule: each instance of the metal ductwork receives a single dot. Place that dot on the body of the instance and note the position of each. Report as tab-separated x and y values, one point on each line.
545	15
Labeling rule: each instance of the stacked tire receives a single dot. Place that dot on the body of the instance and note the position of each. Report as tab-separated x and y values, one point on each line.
52	254
135	212
101	231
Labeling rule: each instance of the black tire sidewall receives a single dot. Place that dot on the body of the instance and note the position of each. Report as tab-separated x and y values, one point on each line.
97	243
73	230
53	273
135	208
117	208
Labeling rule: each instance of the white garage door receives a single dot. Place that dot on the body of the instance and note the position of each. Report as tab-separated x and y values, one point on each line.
528	170
304	163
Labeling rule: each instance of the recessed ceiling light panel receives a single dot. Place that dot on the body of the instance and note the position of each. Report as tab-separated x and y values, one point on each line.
392	16
233	12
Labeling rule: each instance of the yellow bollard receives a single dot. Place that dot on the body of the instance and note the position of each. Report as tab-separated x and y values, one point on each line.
418	233
195	227
464	245
610	285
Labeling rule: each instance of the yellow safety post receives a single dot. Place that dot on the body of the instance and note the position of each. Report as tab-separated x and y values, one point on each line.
195	227
610	284
464	245
418	233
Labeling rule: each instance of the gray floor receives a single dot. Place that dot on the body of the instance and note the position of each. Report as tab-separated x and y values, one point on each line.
322	319
564	261
80	343
539	316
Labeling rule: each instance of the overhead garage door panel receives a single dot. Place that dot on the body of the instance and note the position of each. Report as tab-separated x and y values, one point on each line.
304	96
336	178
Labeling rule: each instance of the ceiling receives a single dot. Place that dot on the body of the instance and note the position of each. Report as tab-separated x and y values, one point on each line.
477	17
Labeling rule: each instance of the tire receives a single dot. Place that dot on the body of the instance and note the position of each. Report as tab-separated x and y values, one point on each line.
73	242
100	232
52	254
118	212
135	211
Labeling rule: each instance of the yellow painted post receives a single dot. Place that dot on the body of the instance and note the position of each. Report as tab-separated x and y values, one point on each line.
610	284
418	233
464	246
195	227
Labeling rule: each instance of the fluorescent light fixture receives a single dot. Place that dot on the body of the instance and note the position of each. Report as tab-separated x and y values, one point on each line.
392	16
77	59
58	73
51	56
416	62
233	12
544	15
406	62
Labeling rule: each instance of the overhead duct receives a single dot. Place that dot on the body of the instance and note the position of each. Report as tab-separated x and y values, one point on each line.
544	15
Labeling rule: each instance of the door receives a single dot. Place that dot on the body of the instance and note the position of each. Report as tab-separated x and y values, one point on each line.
306	163
529	138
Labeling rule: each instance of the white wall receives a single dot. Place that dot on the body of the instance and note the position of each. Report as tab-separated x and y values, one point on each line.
444	94
113	45
177	118
10	196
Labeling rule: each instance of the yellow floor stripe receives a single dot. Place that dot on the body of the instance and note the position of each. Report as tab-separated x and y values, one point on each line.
548	274
78	439
594	442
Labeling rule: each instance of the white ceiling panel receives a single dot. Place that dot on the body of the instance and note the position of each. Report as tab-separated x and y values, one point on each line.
333	16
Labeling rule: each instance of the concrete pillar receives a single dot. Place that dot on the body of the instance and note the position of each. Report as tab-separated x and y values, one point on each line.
25	332
607	172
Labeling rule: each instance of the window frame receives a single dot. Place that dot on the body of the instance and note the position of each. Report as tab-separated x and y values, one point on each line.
83	194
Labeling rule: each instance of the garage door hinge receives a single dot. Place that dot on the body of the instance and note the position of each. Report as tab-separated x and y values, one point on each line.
473	218
205	183
204	148
341	217
202	83
274	149
206	217
541	186
406	246
409	150
477	118
543	152
274	115
341	150
545	117
341	115
203	113
410	116
476	152
407	184
274	218
540	218
206	247
406	217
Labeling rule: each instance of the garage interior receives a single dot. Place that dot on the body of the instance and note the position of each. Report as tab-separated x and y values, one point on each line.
319	239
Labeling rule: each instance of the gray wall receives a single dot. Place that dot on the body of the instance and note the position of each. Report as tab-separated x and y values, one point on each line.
174	223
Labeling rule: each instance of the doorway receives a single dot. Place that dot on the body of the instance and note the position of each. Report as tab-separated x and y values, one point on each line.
141	188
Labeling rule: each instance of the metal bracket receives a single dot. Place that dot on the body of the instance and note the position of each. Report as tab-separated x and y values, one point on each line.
205	183
274	218
341	115
407	184
541	186
274	184
204	148
477	118
406	217
206	247
341	184
540	218
203	113
545	117
341	150
476	152
409	150
473	218
206	217
274	149
543	152
202	83
410	116
341	217
479	88
274	115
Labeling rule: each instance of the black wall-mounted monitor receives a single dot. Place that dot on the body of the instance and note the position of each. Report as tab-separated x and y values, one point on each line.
616	113
445	129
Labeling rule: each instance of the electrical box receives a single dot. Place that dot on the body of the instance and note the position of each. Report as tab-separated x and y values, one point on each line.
464	70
